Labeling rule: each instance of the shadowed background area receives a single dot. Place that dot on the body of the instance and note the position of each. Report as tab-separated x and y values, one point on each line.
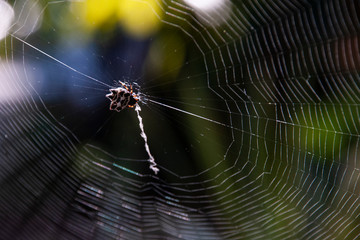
250	108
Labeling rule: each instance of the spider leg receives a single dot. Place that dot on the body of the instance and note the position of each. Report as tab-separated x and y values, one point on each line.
124	85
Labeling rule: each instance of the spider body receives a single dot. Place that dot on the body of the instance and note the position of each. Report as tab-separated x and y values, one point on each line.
122	97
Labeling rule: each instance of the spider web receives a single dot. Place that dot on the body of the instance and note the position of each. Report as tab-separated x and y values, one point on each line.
255	133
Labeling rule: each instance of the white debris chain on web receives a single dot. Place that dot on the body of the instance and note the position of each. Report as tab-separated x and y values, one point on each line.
143	135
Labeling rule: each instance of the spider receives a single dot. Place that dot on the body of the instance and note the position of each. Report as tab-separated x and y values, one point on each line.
122	97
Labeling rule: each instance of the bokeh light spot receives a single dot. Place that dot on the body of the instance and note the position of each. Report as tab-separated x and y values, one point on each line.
139	18
97	13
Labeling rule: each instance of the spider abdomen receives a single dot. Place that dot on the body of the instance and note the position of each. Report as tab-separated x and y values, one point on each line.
122	97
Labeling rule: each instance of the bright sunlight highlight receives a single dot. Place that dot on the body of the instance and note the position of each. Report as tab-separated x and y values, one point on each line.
211	12
6	17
